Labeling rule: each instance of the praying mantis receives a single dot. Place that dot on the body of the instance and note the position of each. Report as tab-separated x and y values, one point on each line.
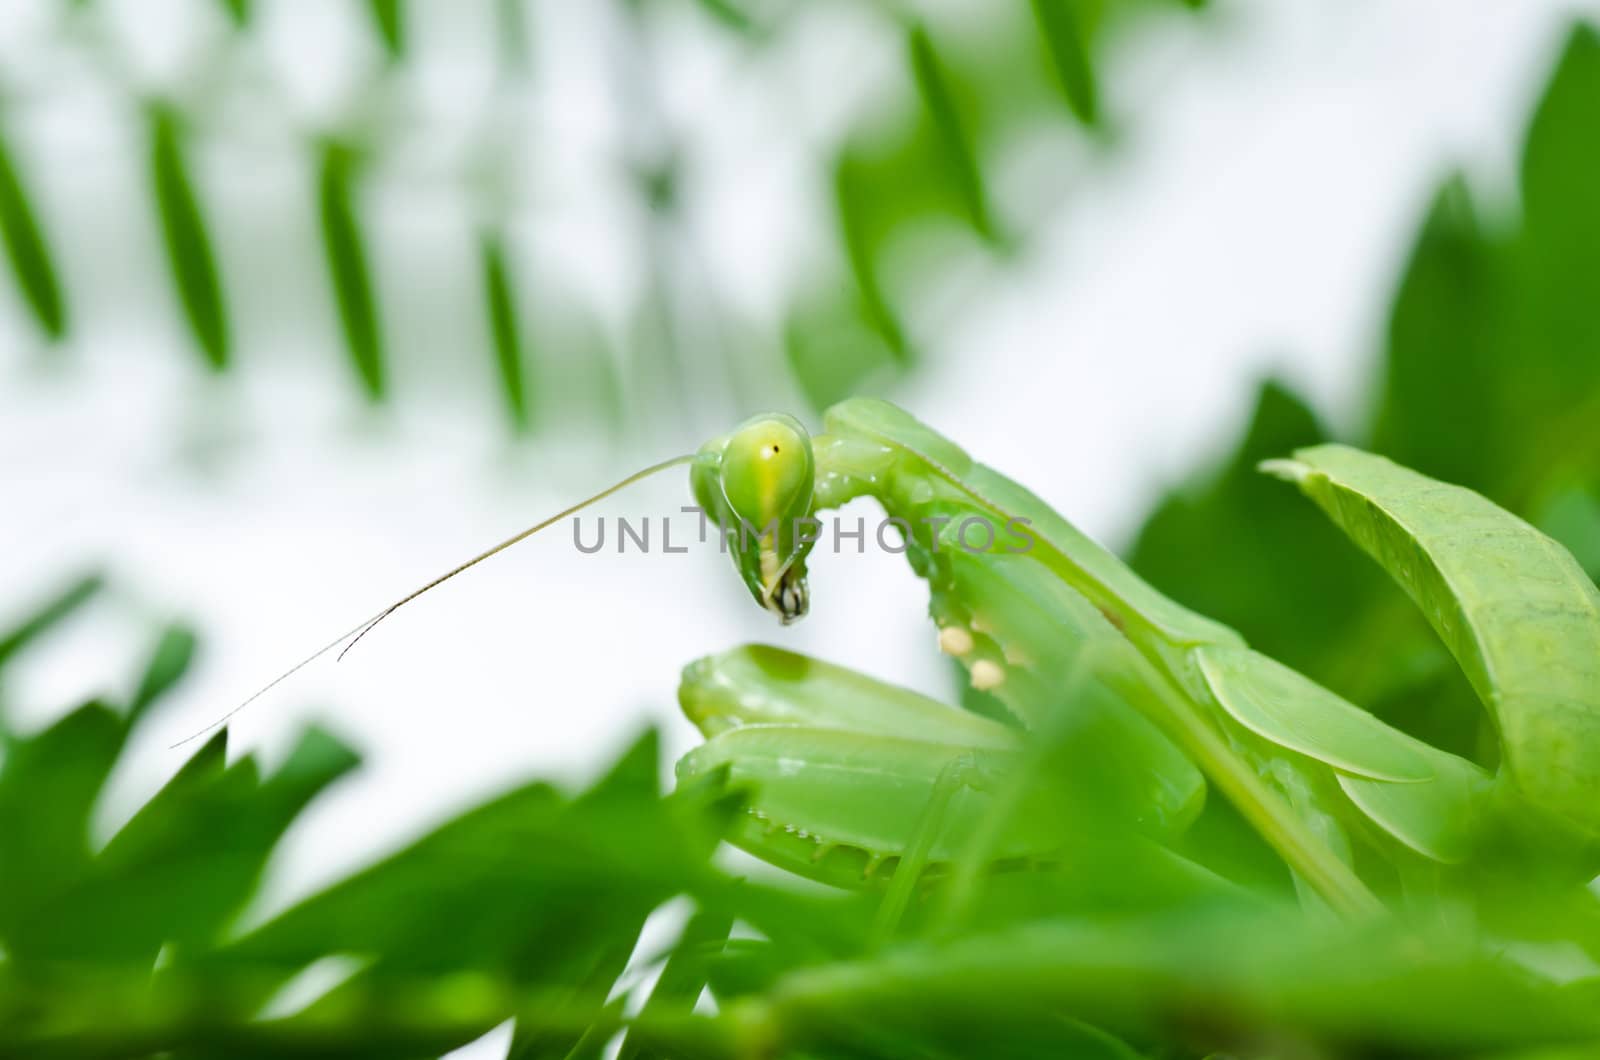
1146	708
851	779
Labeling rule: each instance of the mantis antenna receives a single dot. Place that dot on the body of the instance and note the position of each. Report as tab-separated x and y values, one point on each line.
354	634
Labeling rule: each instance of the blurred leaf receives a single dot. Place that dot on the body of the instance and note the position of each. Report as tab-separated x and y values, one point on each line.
499	291
856	222
1214	982
938	96
729	14
683	978
183	228
1556	380
1572	517
347	266
1069	54
591	975
1562	223
48	785
188	860
239	12
1492	373
836	349
530	888
1264	554
27	250
509	887
388	18
168	663
511	30
1441	398
592	1045
48	614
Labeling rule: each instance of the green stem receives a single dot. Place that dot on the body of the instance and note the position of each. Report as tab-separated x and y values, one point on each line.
1153	692
961	891
908	872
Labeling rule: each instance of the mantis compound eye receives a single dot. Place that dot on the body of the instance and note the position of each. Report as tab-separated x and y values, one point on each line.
767	471
757	482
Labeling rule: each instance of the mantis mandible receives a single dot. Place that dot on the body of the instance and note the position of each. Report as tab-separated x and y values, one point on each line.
854	782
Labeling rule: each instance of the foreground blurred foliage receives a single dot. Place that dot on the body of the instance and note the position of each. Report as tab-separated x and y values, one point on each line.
530	907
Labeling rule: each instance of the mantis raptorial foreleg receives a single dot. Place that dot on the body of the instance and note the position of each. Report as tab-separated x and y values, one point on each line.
843	766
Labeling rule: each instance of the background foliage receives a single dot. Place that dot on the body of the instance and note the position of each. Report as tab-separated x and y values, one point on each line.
908	178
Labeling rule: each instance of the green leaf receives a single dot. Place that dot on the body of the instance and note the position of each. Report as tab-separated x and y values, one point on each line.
47	615
1561	245
1267	555
1572	517
511	31
592	975
845	345
26	248
1549	382
938	97
503	326
1493	366
388	19
168	663
1280	705
1441	404
347	266
530	889
1061	27
728	14
857	221
188	860
507	888
682	980
48	786
239	12
1439	818
183	228
318	759
1230	981
1514	608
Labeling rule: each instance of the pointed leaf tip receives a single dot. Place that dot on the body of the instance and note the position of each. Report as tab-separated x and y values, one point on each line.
1287	470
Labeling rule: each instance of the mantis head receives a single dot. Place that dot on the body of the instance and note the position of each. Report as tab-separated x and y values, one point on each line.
757	483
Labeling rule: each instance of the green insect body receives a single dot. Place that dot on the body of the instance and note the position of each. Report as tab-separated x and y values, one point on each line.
1062	633
1019	632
